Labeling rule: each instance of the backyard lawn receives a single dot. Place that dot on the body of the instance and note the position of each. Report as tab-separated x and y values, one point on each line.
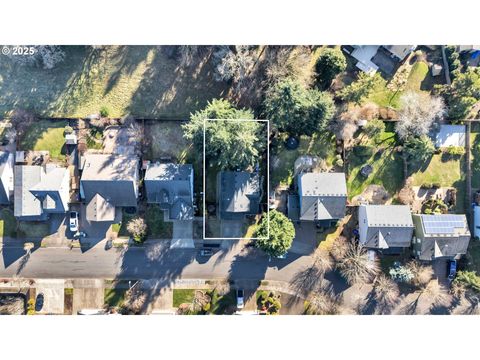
283	160
448	172
157	227
165	139
8	223
46	135
475	158
382	96
387	166
141	80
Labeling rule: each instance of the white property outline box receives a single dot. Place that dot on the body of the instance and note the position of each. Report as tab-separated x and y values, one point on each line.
268	180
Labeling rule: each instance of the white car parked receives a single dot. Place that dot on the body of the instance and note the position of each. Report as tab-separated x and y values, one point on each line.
73	222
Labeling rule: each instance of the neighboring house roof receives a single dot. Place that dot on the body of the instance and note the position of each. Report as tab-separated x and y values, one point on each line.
40	190
400	51
114	177
385	226
99	209
323	196
450	135
443	235
238	194
171	186
6	176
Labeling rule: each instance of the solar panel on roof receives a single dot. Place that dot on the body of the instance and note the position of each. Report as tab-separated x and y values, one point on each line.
442	224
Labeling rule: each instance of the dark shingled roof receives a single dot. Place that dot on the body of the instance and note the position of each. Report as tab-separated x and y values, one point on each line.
238	194
171	186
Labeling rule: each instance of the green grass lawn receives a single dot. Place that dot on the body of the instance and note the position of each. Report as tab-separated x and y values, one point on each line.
8	223
121	229
448	172
141	80
387	166
416	80
157	227
45	135
321	145
114	297
182	296
417	76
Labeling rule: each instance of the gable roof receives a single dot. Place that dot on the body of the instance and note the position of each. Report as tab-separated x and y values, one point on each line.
171	186
40	190
385	226
99	209
114	177
400	51
445	235
238	193
6	180
322	196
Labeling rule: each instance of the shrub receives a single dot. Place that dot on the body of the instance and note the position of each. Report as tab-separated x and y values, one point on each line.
137	227
469	279
31	307
68	129
455	150
104	112
339	162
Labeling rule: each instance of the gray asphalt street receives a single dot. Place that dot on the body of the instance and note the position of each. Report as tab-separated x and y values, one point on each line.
153	262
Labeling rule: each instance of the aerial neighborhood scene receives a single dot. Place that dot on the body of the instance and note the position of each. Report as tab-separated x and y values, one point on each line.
242	179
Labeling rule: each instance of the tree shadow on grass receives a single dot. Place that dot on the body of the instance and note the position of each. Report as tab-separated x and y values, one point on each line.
170	90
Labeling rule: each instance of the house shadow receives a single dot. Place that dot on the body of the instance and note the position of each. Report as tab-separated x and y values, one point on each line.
13	253
156	262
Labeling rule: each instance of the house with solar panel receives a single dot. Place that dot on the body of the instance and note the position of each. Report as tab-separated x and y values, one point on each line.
385	227
171	187
321	198
238	194
440	236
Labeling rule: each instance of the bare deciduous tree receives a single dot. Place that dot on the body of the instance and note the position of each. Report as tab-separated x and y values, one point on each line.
386	291
406	195
289	62
323	302
417	114
355	266
422	274
234	64
186	54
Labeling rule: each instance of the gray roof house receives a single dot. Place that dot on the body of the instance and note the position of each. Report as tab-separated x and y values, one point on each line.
6	177
385	226
40	191
440	236
321	197
171	186
238	194
108	181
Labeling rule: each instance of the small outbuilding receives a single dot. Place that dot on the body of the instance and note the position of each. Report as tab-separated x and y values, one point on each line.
450	135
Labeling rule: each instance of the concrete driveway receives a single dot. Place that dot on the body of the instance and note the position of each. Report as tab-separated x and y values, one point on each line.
87	294
182	236
231	229
53	294
305	240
